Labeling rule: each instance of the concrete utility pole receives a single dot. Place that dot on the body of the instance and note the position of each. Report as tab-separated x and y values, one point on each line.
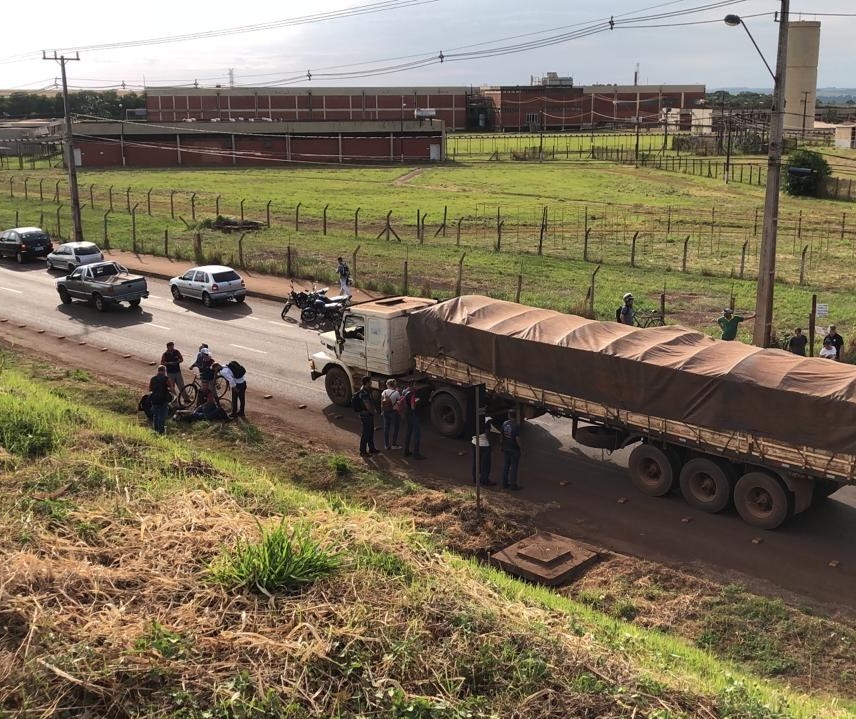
69	147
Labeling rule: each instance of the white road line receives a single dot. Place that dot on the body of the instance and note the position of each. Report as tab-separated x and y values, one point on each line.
9	289
254	319
249	349
160	327
273	322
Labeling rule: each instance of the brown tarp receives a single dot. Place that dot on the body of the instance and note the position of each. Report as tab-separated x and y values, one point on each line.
671	372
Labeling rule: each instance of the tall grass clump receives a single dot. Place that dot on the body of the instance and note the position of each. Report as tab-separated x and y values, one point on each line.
281	560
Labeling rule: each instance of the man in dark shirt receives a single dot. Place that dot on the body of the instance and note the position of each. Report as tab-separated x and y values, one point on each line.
367	418
172	359
510	446
797	343
160	393
836	339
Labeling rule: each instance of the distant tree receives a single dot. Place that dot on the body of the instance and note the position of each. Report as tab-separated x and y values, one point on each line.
101	105
806	171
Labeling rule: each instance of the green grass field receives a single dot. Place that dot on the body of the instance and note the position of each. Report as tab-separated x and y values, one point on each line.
494	216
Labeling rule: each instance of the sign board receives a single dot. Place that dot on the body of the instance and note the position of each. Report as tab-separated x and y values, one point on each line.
822	310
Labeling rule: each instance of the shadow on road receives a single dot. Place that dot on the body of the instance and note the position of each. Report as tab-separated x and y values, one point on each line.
117	316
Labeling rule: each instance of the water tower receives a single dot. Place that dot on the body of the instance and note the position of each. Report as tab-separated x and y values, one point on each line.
801	75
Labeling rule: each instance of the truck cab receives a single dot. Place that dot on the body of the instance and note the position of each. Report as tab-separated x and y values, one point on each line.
371	341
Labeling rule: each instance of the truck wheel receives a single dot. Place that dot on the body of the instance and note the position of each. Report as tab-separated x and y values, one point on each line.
64	297
206	300
338	386
707	483
134	303
99	303
447	415
600	437
653	470
762	500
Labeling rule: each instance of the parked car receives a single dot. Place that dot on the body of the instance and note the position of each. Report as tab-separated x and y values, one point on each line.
25	243
73	254
209	283
103	284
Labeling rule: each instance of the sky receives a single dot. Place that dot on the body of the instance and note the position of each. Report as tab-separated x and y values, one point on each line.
349	43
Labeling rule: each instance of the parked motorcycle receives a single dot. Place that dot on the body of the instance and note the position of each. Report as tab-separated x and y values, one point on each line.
303	298
325	311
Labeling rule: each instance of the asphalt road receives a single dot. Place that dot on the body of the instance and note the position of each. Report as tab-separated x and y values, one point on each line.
577	491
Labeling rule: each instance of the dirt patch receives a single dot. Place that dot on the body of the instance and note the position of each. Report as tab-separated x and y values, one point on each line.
407	177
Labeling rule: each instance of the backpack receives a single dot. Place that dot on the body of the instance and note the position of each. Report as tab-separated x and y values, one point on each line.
618	314
237	369
385	401
403	405
357	403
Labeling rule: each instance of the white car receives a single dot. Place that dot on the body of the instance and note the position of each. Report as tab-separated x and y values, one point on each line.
209	283
70	255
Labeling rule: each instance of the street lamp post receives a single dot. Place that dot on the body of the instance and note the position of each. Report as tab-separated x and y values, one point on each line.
767	256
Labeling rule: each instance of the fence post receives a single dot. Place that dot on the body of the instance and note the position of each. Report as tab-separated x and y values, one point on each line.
519	283
458	237
843	221
171	203
404	291
128	200
356	222
267	211
668	222
106	238
591	290
799	225
56	190
242	210
193	207
134	227
288	261
217	206
460	274
418	224
684	260
743	258
354	260
543	230
41	191
197	247
149	202
241	249
585	244
499	236
324	231
92	197
297	217
17	221
58	229
166	242
802	265
422	229
26	195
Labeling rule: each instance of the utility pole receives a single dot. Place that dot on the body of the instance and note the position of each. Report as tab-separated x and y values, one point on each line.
728	147
69	146
805	94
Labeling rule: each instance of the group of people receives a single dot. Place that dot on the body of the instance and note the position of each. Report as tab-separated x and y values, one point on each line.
168	383
509	444
832	344
397	406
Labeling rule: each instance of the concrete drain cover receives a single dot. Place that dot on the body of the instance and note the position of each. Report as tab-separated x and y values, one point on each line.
545	558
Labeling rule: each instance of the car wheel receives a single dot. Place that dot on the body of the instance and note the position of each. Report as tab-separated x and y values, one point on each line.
176	293
206	300
20	257
134	303
50	265
240	299
99	303
64	297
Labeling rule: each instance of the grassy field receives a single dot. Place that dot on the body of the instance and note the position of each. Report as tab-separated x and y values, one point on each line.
593	212
222	573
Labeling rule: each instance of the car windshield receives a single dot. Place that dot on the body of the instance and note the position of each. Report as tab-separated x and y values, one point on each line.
87	250
34	238
226	276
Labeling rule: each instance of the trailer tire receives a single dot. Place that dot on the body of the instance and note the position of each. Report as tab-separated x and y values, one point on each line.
338	386
447	415
707	484
653	471
599	437
762	500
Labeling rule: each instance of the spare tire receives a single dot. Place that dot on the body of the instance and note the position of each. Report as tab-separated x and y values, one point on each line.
600	437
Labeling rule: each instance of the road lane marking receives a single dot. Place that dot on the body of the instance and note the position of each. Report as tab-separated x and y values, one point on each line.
160	327
254	319
249	349
9	289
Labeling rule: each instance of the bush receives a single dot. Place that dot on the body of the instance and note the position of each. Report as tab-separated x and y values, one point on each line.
807	184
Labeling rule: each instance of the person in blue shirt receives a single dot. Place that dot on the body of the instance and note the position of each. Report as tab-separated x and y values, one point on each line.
510	445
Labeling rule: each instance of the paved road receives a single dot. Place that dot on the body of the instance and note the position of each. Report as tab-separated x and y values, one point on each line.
578	491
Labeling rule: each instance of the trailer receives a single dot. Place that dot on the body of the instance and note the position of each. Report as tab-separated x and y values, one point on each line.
722	422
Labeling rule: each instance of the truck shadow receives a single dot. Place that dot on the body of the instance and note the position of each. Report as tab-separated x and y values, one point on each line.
116	317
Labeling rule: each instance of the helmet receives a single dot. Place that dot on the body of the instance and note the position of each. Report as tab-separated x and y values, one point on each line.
728	311
627	296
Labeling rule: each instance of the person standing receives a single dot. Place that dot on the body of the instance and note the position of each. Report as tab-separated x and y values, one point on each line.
172	359
626	314
344	273
204	362
391	419
238	385
728	323
797	342
482	450
510	451
367	418
827	351
414	431
160	394
836	339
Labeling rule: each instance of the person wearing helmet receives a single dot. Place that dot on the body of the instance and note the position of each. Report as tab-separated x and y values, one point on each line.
728	323
627	315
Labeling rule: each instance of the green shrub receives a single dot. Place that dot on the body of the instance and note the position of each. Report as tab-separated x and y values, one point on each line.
279	561
810	183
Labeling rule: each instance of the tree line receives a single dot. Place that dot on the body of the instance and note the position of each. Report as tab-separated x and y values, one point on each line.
107	104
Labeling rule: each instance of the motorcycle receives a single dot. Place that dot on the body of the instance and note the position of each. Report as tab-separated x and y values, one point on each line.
324	310
302	299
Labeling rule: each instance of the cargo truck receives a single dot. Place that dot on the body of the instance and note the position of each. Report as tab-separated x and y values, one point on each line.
723	422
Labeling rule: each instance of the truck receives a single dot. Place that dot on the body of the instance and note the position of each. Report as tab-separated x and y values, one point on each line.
103	284
724	423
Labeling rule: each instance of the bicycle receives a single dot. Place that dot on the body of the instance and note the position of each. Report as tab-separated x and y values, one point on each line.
649	318
189	394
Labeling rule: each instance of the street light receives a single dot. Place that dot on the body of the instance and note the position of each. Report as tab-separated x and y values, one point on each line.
767	259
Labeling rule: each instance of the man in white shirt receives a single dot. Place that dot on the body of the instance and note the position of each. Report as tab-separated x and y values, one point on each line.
239	388
828	350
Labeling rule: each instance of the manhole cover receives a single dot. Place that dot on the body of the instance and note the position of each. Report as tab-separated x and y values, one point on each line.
544	557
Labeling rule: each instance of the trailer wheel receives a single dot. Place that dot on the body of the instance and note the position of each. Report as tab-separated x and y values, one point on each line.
338	386
653	471
762	500
707	483
447	415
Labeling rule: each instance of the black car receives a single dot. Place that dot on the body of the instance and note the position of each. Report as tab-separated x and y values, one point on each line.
25	243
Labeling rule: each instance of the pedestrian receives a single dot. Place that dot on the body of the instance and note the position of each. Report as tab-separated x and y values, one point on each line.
836	339
367	418
482	450
145	406
209	410
391	419
510	451
827	351
160	394
204	362
344	273
172	359
413	433
235	374
626	315
797	342
728	323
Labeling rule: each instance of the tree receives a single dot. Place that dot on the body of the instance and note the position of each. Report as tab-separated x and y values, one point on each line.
806	171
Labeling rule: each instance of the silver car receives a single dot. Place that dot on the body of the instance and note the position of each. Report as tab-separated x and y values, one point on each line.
209	283
73	254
